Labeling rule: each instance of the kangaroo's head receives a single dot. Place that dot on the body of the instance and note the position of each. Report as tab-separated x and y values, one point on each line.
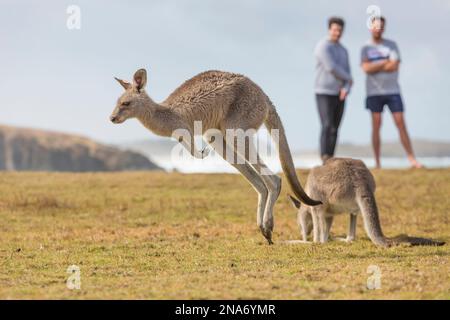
132	101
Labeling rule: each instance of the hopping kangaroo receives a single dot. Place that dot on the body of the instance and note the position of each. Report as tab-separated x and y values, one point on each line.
345	186
221	101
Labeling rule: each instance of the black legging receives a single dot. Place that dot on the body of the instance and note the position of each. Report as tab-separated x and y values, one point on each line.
331	110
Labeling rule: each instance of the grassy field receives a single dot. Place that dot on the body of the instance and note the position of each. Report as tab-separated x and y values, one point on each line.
165	236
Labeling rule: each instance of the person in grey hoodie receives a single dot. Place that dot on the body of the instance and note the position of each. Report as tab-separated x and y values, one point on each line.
332	85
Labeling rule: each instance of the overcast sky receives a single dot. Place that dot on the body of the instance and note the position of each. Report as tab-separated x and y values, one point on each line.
61	79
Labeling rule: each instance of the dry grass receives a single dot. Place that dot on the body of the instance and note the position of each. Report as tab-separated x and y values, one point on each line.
157	235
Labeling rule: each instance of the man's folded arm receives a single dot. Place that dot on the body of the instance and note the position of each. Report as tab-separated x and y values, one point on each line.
391	66
373	67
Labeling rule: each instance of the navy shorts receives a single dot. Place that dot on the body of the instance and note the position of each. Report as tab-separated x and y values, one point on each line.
377	103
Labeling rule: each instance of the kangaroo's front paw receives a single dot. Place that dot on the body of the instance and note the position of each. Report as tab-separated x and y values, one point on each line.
342	239
201	154
349	239
205	152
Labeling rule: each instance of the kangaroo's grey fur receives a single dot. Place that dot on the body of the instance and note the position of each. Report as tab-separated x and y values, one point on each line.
221	101
345	186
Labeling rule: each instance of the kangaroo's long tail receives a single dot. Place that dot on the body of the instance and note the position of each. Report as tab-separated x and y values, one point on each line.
369	211
273	122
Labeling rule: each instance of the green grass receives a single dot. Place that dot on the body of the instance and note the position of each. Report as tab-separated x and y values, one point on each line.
165	236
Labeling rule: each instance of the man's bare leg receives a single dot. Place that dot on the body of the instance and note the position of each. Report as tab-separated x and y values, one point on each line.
376	140
399	120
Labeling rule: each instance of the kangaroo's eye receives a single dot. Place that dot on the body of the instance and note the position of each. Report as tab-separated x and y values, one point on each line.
125	103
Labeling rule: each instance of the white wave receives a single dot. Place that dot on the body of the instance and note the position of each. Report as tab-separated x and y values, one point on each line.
215	164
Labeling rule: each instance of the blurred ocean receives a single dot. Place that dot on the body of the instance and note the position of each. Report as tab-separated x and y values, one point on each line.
215	164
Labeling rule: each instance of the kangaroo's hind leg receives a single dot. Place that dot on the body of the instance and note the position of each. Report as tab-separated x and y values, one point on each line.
271	180
217	141
351	236
304	221
319	224
351	233
329	223
323	227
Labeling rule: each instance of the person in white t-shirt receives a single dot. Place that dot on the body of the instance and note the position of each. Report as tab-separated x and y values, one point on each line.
380	60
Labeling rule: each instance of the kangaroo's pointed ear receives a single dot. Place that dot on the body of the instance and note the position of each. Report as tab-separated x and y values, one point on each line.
295	202
126	85
140	79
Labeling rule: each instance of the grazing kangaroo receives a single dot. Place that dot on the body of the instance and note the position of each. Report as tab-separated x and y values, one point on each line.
345	186
221	101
